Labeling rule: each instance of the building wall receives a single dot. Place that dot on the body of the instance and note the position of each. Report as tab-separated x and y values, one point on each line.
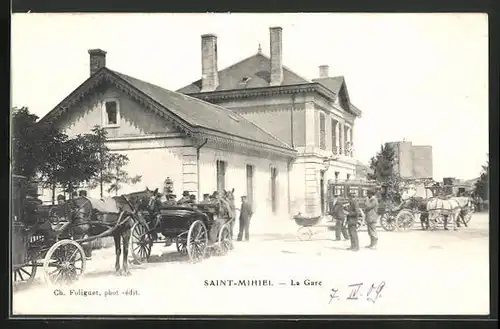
135	120
236	177
274	114
413	161
422	161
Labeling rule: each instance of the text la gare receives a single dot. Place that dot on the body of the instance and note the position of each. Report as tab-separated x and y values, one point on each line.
306	282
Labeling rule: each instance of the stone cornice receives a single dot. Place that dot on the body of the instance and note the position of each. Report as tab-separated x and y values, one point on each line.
235	142
270	91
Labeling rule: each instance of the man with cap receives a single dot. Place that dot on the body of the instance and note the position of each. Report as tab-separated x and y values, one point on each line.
61	199
352	222
206	198
245	216
336	210
184	199
371	217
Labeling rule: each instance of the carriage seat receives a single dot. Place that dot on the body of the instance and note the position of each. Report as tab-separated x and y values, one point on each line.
106	205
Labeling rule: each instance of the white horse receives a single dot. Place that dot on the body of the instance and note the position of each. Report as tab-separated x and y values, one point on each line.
441	209
444	209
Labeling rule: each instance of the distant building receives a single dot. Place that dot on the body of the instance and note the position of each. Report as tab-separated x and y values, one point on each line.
413	161
362	171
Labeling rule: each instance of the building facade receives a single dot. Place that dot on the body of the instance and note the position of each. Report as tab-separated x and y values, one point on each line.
413	161
315	118
202	147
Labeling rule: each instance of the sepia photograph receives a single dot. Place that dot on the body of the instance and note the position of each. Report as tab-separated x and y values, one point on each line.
249	164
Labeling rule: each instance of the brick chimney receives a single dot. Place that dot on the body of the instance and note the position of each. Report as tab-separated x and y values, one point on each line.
209	71
276	56
97	60
323	71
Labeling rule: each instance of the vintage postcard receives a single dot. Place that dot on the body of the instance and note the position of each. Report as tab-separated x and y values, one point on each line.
249	164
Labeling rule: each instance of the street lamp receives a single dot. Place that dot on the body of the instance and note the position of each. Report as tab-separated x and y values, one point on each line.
327	162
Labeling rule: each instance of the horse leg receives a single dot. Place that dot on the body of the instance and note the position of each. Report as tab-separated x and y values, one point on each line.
126	241
118	251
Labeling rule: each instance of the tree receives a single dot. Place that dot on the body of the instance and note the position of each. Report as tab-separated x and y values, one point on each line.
116	176
383	171
79	162
32	142
481	185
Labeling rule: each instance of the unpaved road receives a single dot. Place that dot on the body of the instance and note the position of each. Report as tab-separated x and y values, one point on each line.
440	272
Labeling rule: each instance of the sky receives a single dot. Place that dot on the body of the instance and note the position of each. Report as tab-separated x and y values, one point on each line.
416	77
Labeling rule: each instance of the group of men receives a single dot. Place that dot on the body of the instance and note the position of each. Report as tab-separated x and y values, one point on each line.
215	198
346	219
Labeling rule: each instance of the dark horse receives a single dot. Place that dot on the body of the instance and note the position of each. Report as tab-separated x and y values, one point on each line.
91	218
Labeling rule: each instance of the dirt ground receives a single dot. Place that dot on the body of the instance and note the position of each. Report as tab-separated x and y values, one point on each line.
414	272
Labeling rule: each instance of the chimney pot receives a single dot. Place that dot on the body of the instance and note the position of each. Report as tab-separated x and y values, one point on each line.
323	71
97	60
209	70
276	56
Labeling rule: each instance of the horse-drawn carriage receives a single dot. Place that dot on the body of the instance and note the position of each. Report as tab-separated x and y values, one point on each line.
55	240
195	229
359	189
438	207
35	245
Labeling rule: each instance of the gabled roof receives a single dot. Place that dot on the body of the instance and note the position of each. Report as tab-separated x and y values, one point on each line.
332	83
193	112
255	67
253	73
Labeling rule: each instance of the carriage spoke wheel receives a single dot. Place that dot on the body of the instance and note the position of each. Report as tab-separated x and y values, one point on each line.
387	222
141	243
405	219
225	240
304	233
181	243
25	273
197	241
64	262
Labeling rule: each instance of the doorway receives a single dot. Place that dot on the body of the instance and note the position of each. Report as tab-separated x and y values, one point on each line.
274	177
250	184
322	191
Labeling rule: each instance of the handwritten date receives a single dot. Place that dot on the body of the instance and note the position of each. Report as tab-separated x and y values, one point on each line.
356	292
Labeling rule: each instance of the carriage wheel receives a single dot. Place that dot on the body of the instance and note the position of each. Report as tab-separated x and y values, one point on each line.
304	233
387	222
141	243
405	219
197	241
26	273
64	262
181	243
225	240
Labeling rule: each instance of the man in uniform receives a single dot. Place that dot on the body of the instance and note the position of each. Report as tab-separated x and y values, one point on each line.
206	198
371	218
245	216
352	222
61	199
184	199
336	210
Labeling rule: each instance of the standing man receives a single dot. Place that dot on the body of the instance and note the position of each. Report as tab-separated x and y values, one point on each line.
245	216
352	223
371	218
337	212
